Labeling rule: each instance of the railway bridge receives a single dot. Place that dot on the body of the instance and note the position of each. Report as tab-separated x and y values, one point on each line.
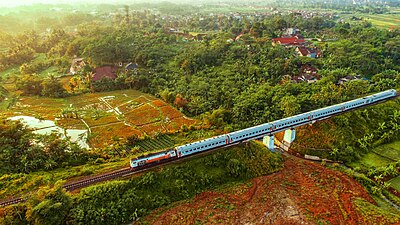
288	125
264	131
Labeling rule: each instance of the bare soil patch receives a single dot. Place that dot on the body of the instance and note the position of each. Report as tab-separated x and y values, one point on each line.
301	193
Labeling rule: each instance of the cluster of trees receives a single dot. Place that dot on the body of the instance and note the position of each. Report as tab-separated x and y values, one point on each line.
36	85
21	151
215	73
233	75
245	74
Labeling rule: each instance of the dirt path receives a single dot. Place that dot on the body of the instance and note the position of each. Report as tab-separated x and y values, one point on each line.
301	193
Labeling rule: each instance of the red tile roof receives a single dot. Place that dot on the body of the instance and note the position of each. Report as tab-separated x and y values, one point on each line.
105	71
288	40
303	51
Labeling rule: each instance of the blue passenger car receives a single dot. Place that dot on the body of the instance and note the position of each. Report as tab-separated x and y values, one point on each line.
250	132
383	95
203	145
260	130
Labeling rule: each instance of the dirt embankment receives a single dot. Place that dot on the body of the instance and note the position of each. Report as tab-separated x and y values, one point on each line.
301	193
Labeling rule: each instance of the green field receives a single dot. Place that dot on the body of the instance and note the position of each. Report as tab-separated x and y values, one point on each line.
50	70
380	156
10	71
384	20
161	142
395	183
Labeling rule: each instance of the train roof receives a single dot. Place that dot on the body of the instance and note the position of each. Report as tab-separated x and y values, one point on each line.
196	142
151	154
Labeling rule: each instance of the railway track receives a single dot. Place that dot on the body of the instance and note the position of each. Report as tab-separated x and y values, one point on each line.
80	183
71	186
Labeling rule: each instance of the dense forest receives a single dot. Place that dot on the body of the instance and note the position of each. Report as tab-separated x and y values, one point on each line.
241	77
233	78
222	67
216	63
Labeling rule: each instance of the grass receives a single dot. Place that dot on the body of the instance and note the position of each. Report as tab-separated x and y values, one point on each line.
103	136
371	160
50	70
17	184
161	142
380	156
384	20
9	71
383	211
391	150
395	183
40	107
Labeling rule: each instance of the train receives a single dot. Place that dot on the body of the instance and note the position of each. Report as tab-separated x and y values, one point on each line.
258	131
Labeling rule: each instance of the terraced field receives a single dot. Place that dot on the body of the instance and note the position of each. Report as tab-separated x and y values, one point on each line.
382	156
109	116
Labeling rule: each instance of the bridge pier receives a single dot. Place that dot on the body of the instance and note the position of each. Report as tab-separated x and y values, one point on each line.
269	142
288	138
290	135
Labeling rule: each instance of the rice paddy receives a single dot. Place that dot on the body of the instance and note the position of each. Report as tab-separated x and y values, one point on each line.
108	115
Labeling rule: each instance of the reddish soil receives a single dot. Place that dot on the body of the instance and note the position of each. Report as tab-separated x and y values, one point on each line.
152	128
104	134
158	103
143	115
170	112
301	193
176	123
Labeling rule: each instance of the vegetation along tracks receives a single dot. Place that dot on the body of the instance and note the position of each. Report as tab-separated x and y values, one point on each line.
107	176
80	183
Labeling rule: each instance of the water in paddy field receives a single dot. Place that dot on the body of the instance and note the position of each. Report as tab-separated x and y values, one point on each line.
48	126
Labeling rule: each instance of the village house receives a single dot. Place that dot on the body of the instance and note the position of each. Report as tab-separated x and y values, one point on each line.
307	73
349	78
186	35
131	66
311	52
308	78
293	32
76	65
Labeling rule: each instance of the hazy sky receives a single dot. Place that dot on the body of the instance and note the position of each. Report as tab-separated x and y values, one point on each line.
12	3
